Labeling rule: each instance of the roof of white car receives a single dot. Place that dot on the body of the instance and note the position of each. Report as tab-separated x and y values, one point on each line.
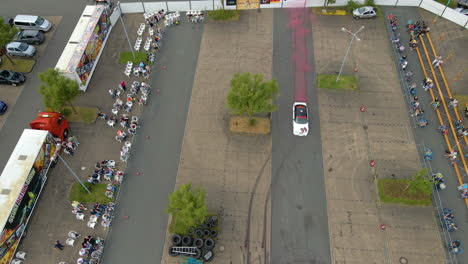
26	18
14	44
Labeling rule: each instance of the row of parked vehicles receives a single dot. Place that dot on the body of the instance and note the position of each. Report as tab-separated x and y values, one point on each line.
32	29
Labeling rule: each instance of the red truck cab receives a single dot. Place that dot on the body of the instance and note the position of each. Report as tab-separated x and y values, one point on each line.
55	123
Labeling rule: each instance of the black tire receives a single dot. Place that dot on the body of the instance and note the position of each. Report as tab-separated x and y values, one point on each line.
214	223
206	224
172	254
65	134
208	256
198	242
209	244
198	232
356	17
191	230
197	255
206	233
176	240
214	218
186	241
213	233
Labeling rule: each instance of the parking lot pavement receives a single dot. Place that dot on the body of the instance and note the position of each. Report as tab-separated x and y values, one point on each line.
52	218
10	94
352	138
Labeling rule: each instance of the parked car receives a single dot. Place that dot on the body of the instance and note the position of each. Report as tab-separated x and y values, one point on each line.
11	78
3	107
30	37
462	10
32	23
462	3
20	49
365	12
300	119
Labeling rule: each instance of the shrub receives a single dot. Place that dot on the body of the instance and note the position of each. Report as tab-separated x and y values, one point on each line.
223	14
351	5
252	121
370	3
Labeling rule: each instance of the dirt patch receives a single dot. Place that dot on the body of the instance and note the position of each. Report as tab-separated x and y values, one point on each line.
240	124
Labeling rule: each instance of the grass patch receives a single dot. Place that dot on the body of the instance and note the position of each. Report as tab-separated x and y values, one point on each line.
462	103
453	3
345	82
85	115
98	193
224	15
126	56
395	191
241	124
21	65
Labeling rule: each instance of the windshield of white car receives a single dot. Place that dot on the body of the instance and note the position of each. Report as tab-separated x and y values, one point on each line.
300	114
362	10
23	46
39	21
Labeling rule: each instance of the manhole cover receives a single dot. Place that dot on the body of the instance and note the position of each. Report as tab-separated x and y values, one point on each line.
403	260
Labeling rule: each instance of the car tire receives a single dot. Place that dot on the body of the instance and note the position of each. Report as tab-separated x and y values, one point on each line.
197	254
176	239
209	244
214	223
198	232
206	233
213	233
65	134
356	17
198	242
186	241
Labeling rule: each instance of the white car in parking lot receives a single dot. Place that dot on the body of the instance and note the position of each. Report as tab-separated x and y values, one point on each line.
20	49
300	119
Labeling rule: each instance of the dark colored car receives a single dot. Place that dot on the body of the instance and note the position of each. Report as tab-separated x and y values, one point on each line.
11	78
3	107
30	37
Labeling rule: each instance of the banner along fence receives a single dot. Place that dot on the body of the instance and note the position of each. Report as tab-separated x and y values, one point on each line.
182	6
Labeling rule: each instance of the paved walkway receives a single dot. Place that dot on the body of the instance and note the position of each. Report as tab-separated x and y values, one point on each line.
226	164
351	139
152	168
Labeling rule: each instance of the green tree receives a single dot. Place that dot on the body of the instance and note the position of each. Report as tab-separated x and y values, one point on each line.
7	32
249	94
57	90
420	183
187	205
330	2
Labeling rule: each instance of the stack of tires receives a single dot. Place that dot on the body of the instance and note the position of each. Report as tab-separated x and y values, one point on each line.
202	237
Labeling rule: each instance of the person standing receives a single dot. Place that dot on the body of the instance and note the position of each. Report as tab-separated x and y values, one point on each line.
123	86
57	245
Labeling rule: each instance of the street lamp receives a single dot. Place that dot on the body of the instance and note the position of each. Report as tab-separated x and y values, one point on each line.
354	35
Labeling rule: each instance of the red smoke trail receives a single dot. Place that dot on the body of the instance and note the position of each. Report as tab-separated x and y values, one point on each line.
300	61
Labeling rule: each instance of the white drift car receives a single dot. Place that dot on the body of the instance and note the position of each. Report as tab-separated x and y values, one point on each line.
300	119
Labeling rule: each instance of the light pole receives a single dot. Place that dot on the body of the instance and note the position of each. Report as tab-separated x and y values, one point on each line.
125	29
354	35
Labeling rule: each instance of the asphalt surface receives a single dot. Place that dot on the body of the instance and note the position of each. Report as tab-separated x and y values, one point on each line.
299	207
429	136
143	197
